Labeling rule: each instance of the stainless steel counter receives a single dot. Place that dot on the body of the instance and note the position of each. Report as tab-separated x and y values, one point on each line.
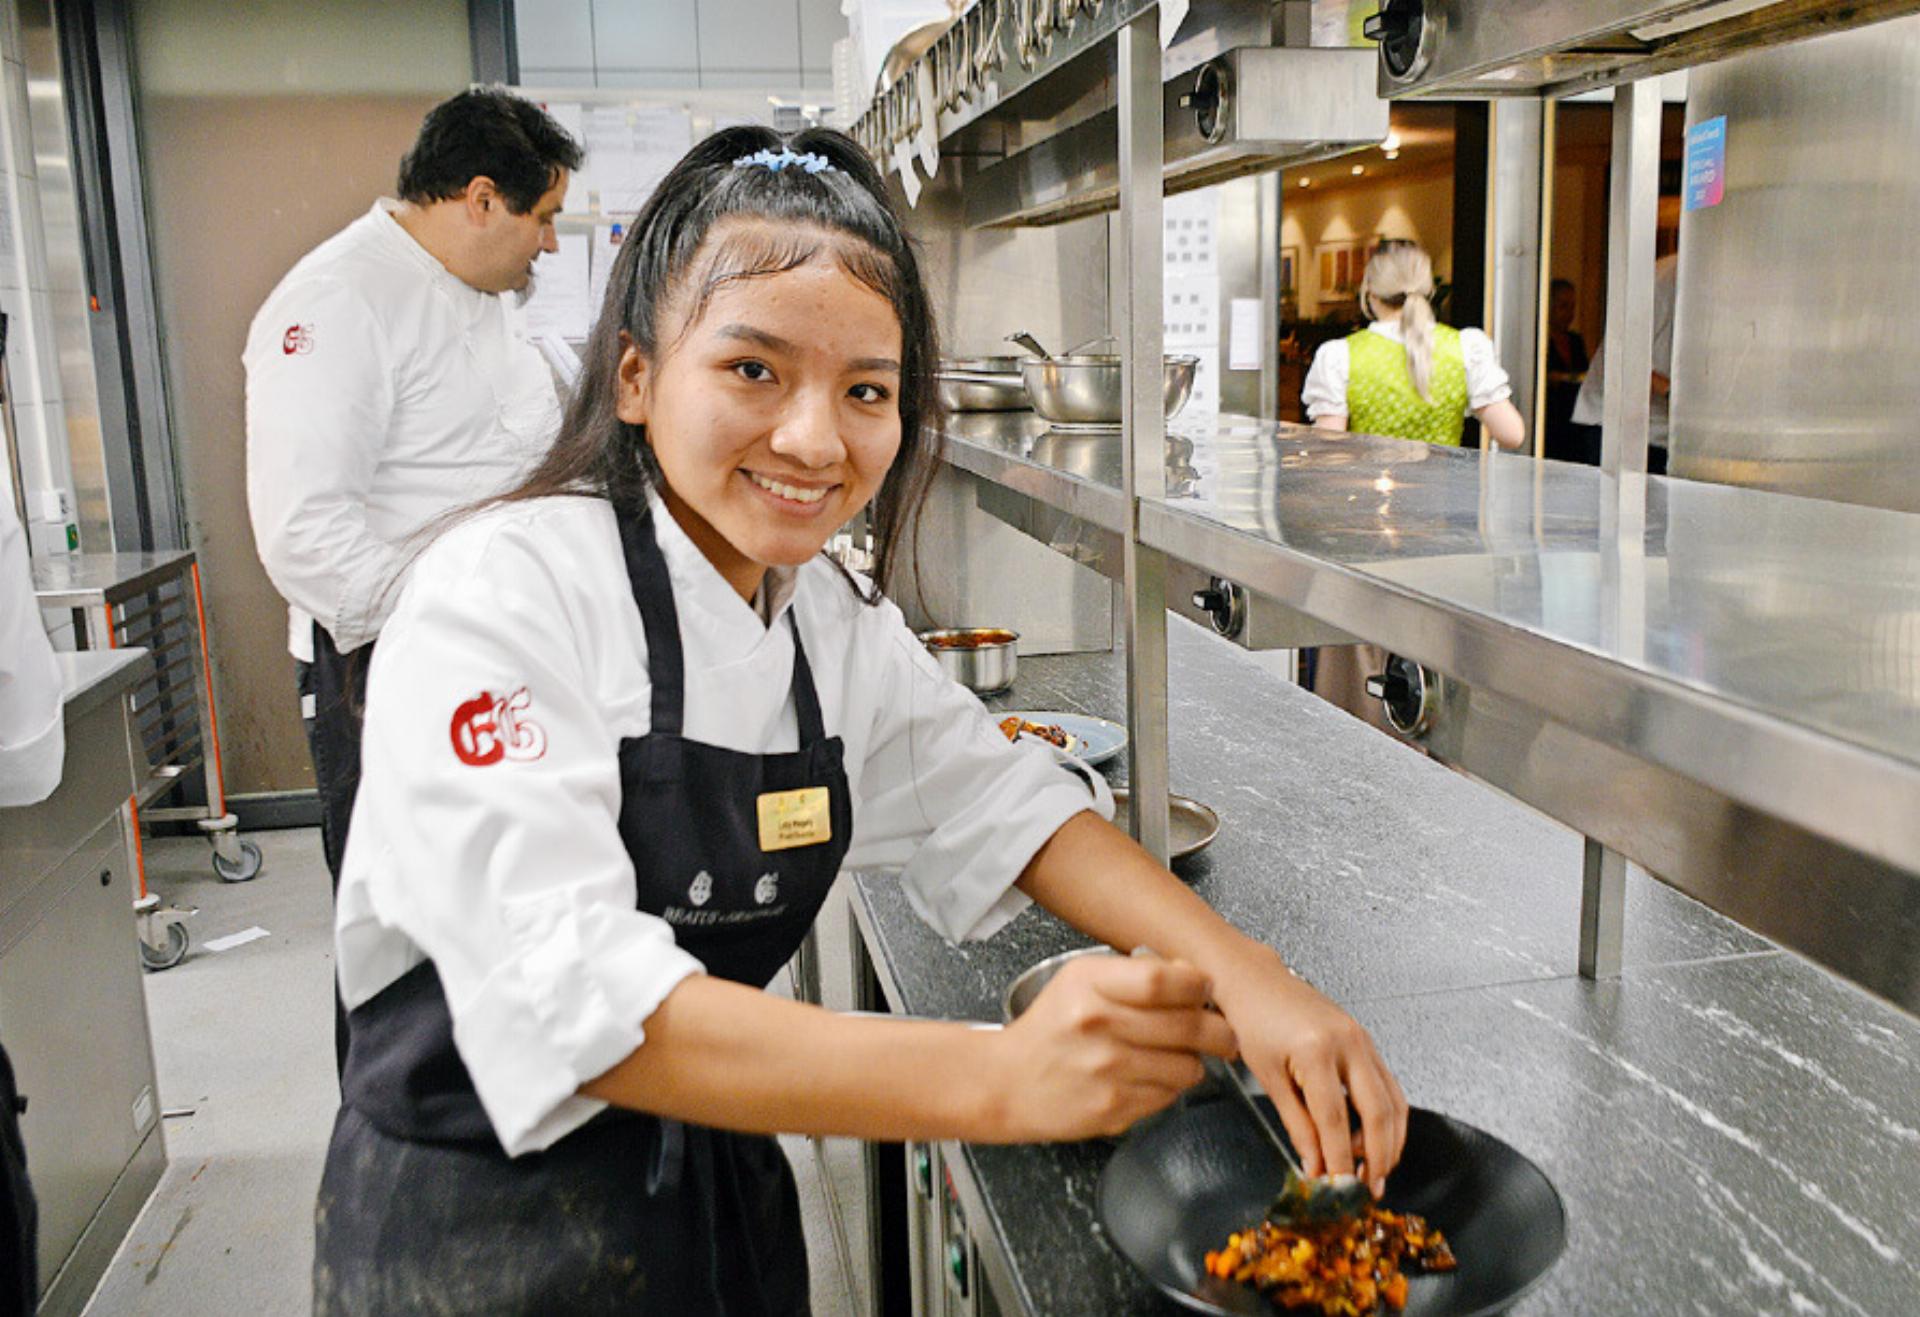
69	968
1731	1128
1722	683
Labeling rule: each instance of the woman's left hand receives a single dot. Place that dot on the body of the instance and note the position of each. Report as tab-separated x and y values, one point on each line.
1316	1063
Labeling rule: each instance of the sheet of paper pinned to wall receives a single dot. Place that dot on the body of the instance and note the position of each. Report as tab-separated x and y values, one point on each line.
1190	222
1191	306
606	246
1243	334
1191	290
559	304
630	148
568	115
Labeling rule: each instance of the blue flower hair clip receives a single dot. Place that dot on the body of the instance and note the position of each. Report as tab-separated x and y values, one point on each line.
779	160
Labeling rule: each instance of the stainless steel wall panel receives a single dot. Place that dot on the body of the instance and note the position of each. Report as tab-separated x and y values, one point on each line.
1796	362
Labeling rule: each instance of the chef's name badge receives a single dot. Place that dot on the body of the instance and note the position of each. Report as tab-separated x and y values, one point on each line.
795	818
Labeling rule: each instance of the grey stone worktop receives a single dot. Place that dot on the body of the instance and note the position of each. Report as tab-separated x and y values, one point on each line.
1733	1129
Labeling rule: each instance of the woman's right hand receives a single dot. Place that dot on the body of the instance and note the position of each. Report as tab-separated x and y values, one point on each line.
1110	1040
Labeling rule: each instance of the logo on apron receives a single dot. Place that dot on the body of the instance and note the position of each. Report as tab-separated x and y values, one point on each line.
702	889
767	890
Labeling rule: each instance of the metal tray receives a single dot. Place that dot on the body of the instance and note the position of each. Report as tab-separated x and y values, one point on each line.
1191	824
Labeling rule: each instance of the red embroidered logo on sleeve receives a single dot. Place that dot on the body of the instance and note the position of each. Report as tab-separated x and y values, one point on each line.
489	728
298	338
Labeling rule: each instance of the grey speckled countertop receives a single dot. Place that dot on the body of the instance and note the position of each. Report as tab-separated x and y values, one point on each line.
1446	917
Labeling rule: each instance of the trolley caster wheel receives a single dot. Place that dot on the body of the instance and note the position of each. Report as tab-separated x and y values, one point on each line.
244	869
154	959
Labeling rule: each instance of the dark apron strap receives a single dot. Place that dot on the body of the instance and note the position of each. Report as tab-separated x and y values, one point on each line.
666	663
806	700
653	591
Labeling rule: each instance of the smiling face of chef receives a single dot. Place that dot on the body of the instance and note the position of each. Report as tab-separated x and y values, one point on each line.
771	401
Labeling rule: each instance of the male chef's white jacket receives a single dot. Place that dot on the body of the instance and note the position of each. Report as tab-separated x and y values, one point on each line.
382	391
485	832
32	729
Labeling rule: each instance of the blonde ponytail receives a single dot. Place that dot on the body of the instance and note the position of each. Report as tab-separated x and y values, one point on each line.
1401	274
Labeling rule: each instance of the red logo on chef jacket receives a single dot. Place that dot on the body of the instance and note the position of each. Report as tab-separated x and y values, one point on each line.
298	338
489	728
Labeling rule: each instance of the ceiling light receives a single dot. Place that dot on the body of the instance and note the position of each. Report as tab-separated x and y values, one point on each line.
1306	182
1359	170
1391	143
1393	155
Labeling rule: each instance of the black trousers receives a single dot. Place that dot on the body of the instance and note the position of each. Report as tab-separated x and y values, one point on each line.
338	684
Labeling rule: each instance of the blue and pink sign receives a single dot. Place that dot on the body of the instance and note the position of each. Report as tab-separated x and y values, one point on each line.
1706	183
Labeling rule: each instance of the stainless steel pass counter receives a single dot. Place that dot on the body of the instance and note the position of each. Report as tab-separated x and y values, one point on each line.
73	1010
1733	1129
1723	684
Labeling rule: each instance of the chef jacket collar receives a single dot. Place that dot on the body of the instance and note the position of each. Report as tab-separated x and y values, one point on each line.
706	600
407	246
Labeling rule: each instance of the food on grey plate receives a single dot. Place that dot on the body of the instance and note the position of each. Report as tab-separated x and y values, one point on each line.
1349	1268
1016	727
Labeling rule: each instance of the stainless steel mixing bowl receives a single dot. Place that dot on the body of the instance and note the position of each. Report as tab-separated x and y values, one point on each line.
983	659
1086	390
1021	992
981	384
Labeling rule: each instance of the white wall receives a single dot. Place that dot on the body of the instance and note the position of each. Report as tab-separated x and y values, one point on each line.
295	47
678	44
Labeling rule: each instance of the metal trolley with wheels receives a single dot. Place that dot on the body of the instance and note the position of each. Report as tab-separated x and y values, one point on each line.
153	601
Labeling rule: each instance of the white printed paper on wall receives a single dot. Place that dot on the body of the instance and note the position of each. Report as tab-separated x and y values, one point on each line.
568	115
559	304
630	148
1243	334
1192	306
1190	221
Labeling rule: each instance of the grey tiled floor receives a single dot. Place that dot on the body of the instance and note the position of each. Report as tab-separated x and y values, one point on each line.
243	1044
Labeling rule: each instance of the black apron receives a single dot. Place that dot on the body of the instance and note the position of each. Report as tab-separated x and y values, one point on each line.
420	1208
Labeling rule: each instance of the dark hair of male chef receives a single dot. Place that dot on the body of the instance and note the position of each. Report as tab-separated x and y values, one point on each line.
335	499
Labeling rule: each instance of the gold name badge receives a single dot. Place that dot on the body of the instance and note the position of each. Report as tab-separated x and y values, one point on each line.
795	818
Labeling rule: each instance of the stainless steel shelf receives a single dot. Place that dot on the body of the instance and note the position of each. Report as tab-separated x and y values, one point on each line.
1032	85
1074	473
1729	695
1562	47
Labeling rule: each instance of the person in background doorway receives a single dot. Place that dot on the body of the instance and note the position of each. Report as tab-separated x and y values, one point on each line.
1406	376
390	379
1590	407
1567	361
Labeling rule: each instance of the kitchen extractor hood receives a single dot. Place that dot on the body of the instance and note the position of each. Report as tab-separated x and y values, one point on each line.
1529	47
1248	111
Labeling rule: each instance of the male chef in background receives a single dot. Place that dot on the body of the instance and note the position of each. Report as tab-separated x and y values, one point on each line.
390	378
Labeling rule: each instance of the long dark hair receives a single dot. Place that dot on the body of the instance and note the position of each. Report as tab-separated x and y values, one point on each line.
598	453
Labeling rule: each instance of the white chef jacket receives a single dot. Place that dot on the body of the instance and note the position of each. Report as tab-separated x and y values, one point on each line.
1325	390
511	875
382	390
1589	408
33	741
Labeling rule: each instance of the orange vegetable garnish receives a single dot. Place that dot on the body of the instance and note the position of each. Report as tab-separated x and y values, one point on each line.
1344	1268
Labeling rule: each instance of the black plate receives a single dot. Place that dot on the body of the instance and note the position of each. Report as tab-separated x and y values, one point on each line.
1184	1180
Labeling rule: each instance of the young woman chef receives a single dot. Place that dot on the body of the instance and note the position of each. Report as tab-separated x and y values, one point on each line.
626	725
